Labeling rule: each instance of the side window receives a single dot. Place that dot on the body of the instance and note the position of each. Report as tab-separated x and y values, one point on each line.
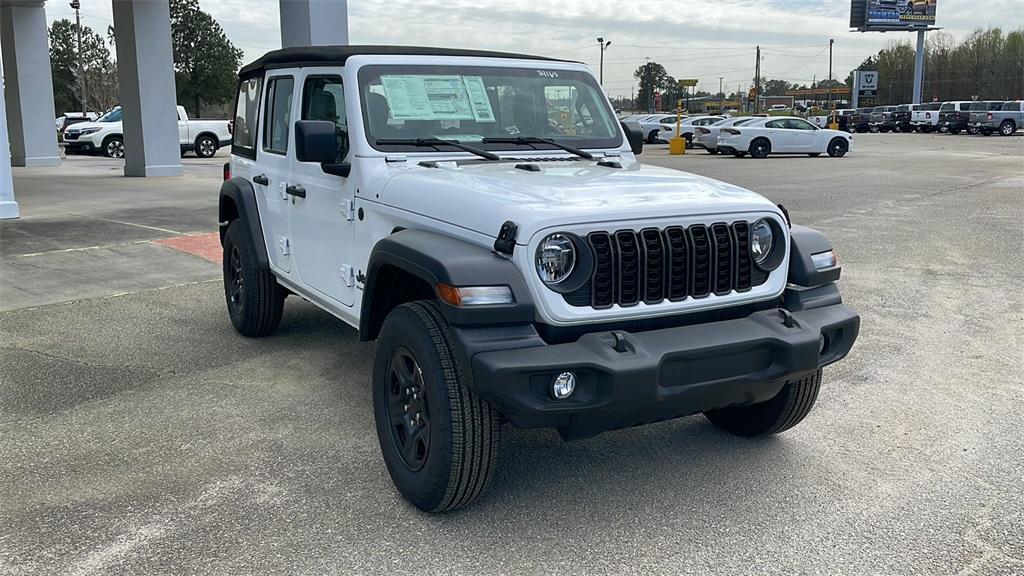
323	98
243	127
796	124
277	115
775	124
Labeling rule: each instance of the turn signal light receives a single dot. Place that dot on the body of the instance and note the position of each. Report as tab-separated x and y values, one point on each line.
462	296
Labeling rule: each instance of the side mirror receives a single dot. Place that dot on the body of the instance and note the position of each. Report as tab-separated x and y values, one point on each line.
634	135
317	141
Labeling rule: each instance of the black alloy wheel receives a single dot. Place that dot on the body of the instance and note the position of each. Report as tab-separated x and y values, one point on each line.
235	281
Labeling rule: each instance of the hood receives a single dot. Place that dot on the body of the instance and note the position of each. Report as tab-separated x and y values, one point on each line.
81	125
481	196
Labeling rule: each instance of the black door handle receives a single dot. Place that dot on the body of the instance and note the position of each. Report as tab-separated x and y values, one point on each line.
295	190
261	179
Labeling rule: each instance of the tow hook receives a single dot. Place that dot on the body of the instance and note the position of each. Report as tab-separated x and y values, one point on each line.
787	319
620	342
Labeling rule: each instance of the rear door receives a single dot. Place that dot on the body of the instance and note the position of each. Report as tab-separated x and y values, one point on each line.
779	134
322	222
273	163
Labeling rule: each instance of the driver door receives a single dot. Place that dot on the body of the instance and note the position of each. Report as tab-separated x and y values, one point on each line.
322	223
803	136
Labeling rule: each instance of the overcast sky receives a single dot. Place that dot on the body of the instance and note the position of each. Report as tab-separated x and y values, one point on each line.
703	39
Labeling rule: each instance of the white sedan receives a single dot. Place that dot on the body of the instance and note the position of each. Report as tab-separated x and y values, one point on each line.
707	136
652	125
688	127
782	135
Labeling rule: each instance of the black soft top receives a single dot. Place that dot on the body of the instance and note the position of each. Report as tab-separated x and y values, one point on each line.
337	55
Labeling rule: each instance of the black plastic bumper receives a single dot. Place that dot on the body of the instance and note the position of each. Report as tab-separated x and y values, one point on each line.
658	374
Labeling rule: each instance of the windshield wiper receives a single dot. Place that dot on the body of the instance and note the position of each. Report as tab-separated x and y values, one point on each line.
529	140
435	142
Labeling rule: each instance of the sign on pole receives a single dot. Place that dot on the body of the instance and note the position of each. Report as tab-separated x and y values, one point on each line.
867	83
687	82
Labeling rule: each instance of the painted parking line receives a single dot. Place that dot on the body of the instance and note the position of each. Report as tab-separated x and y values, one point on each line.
203	245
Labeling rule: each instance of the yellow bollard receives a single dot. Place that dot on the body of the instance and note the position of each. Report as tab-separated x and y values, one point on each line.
677	145
834	124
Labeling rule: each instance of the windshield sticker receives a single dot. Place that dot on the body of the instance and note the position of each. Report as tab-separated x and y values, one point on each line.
416	97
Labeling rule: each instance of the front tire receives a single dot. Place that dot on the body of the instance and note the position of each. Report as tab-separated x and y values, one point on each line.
760	148
652	137
785	410
439	440
205	146
113	147
254	298
838	148
712	151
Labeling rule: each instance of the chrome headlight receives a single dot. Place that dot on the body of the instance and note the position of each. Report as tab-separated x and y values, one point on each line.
85	131
761	240
556	258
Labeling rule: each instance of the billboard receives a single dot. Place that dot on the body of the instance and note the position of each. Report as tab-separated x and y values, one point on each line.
866	15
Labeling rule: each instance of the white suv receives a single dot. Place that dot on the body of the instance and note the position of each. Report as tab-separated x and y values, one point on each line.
483	217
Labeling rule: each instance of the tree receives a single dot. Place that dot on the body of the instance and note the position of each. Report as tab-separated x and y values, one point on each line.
98	68
205	61
986	64
653	78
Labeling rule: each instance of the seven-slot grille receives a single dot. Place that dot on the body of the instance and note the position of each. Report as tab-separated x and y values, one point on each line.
674	263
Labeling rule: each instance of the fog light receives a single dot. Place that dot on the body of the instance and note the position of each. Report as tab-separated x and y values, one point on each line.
563	385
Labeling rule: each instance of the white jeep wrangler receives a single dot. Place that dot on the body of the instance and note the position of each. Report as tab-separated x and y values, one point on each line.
483	217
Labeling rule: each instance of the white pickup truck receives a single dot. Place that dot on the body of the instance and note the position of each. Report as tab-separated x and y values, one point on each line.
105	135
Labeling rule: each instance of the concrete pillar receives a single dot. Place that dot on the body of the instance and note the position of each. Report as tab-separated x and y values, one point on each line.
919	67
27	83
145	72
8	206
313	22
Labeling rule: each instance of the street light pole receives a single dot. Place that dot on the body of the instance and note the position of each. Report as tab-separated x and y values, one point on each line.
81	73
603	45
830	42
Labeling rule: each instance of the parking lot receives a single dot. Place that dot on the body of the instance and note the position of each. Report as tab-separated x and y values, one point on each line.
143	435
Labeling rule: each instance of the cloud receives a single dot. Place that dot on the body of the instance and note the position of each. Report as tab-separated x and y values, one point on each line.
704	39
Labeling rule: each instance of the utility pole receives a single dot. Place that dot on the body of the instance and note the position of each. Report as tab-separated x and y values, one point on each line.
603	45
81	72
918	67
632	98
721	96
757	82
650	85
830	42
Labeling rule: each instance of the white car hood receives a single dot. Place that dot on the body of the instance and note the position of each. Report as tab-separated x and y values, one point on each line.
481	196
82	125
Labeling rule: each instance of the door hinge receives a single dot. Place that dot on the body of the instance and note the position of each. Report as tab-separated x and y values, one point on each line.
347	275
348	208
285	245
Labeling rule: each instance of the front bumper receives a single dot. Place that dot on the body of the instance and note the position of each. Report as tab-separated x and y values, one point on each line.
658	374
79	146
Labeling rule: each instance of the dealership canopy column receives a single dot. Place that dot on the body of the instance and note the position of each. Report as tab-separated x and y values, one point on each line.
8	207
313	22
145	73
28	91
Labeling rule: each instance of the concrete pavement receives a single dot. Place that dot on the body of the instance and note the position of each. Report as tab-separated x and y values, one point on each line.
140	435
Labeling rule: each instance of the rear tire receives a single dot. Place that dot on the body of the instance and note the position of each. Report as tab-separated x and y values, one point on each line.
712	151
873	129
1007	128
439	440
254	298
205	146
787	409
739	154
652	138
760	148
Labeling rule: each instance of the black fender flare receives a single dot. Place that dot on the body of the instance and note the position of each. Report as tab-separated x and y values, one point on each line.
805	242
437	258
238	201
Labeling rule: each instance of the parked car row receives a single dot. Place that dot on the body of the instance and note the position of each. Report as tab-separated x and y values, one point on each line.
105	135
974	117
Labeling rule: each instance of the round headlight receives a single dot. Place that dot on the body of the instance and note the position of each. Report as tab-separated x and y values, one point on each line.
556	257
761	240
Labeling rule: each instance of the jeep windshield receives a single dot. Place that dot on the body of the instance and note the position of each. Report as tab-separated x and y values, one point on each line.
489	108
